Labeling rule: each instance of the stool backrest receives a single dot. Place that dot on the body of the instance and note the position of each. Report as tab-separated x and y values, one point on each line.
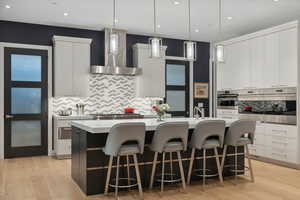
122	133
206	129
169	131
238	130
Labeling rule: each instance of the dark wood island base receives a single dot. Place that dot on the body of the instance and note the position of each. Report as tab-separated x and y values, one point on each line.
89	163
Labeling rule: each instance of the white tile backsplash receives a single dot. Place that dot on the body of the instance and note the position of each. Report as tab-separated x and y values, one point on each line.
109	94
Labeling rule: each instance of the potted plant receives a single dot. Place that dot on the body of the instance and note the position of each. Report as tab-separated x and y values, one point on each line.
160	110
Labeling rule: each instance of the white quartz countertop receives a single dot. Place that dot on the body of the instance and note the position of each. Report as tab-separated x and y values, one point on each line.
73	117
103	126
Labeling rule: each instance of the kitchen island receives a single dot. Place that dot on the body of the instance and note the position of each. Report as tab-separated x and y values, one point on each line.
89	163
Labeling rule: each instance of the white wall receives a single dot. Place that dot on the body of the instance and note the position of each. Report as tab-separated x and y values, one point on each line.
13	45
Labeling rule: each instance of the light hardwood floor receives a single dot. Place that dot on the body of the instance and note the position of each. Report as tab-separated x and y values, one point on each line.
45	178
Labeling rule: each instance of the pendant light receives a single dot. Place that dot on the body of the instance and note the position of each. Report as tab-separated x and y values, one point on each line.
113	35
190	47
219	47
155	43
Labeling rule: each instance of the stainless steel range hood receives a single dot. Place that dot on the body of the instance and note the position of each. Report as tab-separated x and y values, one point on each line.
115	64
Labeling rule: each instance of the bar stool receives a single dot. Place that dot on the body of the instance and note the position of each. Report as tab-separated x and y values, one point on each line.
240	133
207	135
168	138
116	146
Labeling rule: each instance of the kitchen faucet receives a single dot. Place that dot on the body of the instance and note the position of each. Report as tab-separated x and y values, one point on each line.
198	110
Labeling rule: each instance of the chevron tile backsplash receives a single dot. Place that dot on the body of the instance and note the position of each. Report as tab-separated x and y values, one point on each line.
108	94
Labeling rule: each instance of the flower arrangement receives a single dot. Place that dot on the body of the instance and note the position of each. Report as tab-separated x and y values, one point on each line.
160	110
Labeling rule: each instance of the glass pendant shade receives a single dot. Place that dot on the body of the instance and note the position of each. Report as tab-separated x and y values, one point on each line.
190	49
113	43
155	46
220	53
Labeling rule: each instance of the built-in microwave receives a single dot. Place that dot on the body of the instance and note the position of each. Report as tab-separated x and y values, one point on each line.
227	100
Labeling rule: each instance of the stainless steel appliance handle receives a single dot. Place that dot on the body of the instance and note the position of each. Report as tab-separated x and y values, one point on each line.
9	116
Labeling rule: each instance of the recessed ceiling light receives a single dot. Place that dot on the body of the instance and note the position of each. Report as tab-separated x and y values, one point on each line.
176	2
197	30
158	26
275	0
116	21
7	6
229	18
66	14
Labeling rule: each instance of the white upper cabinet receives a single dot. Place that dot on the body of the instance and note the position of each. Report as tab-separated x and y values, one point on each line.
151	83
257	62
235	69
271	67
71	66
243	67
288	57
265	59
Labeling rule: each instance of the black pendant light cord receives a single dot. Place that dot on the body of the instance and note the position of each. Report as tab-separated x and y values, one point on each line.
154	16
220	19
114	13
189	7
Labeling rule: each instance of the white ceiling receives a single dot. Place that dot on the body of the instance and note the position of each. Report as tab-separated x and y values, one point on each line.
136	16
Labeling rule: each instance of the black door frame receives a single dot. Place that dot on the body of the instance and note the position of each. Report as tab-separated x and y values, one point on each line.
10	152
185	113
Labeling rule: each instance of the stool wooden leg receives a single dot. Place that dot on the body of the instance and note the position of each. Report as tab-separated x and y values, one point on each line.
204	168
191	166
223	157
163	172
153	170
235	163
138	177
218	165
108	174
181	170
249	163
171	166
128	169
117	177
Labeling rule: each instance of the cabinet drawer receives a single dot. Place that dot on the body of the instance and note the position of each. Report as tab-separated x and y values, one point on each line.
278	132
64	123
225	111
282	154
259	139
259	130
257	150
282	130
228	116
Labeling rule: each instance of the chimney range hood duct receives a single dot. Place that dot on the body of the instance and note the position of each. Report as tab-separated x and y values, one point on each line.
115	63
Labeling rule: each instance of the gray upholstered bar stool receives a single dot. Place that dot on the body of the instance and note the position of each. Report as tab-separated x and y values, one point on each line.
207	135
240	133
164	142
116	146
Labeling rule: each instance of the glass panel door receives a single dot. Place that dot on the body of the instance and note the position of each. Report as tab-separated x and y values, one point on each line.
177	87
26	99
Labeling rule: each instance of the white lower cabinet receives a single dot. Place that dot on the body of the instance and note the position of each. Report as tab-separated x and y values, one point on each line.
278	142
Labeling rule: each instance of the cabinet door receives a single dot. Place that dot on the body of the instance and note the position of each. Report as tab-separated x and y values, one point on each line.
81	69
220	74
288	57
243	67
271	67
228	80
63	69
257	53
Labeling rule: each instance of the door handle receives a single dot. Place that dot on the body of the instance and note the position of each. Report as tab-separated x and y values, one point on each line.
9	116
